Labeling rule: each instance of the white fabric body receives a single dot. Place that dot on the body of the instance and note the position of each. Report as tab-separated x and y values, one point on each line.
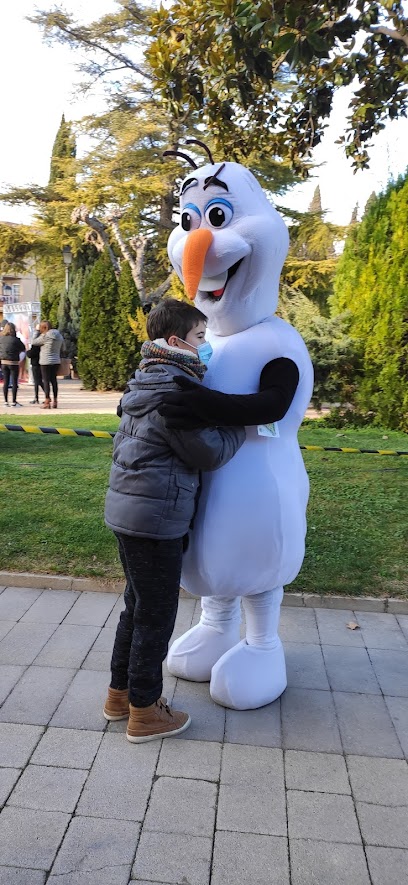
250	527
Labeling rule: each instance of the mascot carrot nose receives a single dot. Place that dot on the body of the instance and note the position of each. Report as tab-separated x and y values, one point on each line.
194	255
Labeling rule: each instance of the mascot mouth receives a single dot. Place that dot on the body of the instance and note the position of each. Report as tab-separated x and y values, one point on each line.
216	294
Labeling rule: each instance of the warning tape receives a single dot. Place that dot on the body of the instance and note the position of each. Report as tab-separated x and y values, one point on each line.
109	434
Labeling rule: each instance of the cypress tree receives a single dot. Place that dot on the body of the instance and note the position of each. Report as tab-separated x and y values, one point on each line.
98	338
316	204
64	148
128	345
371	282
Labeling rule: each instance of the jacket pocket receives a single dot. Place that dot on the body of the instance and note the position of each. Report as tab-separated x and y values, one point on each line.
186	487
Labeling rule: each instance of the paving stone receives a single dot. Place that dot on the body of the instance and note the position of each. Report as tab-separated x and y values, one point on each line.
184	618
51	607
208	718
36	696
403	623
99	657
382	781
67	748
391	668
15	601
181	806
260	728
333	630
322	863
383	825
398	710
5	627
298	625
47	788
68	646
17	743
83	703
322	816
114	616
305	666
117	875
252	791
397	606
17	876
292	599
243	858
120	780
381	631
318	772
92	845
9	675
350	669
24	642
309	721
388	865
365	726
163	857
30	838
8	777
91	609
193	759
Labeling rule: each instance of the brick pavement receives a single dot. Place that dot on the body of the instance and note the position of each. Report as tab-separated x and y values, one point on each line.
311	790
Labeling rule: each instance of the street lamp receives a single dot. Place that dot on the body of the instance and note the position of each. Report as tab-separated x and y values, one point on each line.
67	257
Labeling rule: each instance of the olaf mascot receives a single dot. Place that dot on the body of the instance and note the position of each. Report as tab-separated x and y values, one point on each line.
249	532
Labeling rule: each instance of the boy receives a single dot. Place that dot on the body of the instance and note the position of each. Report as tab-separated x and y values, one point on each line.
150	503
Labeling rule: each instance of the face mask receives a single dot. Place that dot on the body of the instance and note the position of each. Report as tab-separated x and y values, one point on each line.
204	351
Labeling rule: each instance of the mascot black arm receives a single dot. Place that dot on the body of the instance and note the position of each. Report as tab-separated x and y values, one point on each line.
199	406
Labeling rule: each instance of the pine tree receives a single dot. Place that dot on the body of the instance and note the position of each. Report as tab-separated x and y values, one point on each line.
316	204
354	215
98	338
371	282
64	148
128	345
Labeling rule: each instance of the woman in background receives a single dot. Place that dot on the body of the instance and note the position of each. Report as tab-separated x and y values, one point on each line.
51	342
11	349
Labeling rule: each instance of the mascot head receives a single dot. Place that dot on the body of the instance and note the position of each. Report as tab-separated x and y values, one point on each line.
229	246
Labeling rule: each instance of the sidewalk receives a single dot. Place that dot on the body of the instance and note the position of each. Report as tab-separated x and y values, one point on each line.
311	790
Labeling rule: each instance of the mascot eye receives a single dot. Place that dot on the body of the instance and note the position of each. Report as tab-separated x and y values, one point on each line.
190	217
218	213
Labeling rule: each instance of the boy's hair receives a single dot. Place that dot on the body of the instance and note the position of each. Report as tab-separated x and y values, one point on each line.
172	317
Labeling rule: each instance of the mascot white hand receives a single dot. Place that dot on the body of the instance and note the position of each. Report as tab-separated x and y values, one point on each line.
249	532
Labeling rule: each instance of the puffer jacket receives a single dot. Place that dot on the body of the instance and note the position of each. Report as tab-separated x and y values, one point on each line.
10	348
51	344
154	477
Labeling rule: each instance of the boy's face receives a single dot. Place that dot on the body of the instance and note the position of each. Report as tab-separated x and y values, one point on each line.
193	339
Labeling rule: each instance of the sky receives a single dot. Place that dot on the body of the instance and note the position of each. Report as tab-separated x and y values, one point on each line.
38	86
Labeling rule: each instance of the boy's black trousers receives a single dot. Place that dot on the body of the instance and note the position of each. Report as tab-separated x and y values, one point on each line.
152	570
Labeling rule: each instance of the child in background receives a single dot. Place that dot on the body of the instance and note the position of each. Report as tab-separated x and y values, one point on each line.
150	503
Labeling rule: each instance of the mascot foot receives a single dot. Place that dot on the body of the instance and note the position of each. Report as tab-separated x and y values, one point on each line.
194	654
247	677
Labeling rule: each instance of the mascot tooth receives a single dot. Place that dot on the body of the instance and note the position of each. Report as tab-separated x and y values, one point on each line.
249	532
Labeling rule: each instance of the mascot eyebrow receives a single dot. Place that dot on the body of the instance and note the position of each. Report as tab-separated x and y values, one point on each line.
212	179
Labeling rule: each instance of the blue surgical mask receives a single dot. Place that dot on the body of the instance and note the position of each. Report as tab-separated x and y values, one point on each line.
204	351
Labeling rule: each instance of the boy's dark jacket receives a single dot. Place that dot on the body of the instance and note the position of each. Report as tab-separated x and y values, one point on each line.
155	472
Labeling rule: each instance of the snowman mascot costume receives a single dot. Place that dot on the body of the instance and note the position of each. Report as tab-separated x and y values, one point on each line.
249	531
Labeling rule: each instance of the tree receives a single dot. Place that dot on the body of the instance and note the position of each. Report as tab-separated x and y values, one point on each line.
371	283
229	58
98	341
128	349
311	262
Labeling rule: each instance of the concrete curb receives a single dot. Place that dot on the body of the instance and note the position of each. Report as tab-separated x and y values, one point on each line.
301	600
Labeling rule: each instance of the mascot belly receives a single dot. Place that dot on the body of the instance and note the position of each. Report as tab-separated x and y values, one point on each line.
249	531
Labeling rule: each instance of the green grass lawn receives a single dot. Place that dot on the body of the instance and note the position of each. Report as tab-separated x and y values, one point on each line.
52	493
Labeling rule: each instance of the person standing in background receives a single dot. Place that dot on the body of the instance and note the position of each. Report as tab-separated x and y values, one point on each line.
34	356
10	349
51	343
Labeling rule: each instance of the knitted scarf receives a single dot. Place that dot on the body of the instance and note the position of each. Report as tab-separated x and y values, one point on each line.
155	353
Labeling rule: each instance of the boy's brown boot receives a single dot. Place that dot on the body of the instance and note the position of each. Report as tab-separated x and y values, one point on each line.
156	721
116	705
